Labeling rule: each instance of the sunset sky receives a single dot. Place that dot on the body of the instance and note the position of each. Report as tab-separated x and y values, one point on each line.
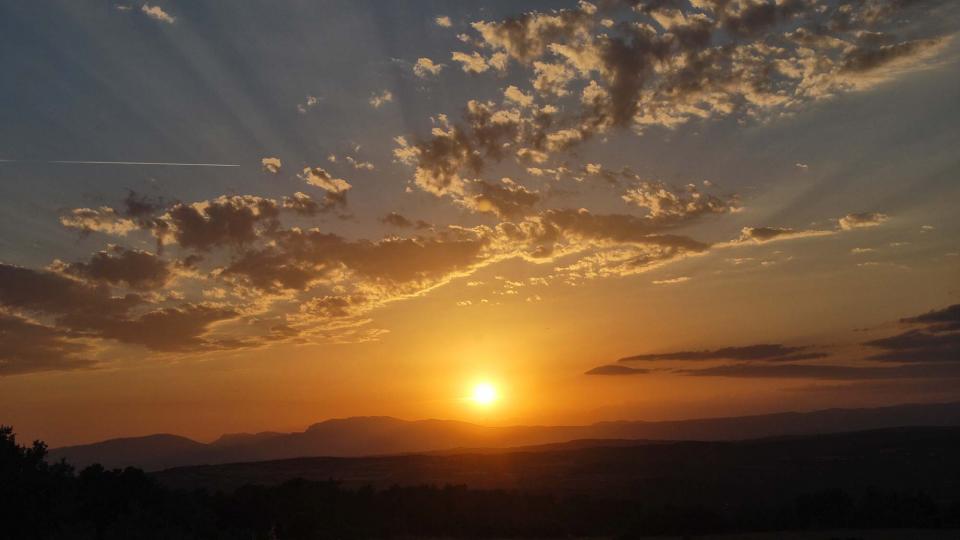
220	219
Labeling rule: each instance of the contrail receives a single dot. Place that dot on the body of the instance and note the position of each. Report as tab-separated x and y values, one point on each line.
161	164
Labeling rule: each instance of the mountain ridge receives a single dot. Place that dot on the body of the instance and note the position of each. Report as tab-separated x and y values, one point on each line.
385	435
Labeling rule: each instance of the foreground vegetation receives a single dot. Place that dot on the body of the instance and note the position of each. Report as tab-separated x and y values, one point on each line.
51	501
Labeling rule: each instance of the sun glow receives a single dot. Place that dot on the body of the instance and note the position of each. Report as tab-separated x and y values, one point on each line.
484	394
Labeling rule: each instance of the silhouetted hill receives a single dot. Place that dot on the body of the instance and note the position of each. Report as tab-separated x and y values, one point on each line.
151	452
363	436
905	460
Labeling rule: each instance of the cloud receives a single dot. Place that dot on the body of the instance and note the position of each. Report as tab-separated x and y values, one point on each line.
929	352
939	320
381	99
227	220
396	220
918	346
140	207
156	13
617	229
762	235
747	59
318	177
103	219
443	21
514	94
662	202
168	329
360	165
470	63
118	265
28	347
937	339
671	281
311	102
305	205
827	372
425	68
271	164
616	370
506	199
862	220
764	351
89	310
39	291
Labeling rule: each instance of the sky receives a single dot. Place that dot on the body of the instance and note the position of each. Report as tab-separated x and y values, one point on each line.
226	220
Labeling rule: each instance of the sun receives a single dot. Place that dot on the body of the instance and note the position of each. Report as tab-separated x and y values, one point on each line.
484	394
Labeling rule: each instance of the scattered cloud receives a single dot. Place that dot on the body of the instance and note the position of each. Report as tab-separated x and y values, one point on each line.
471	63
381	99
671	281
318	177
271	164
928	350
309	103
443	21
103	219
862	220
765	351
425	67
118	265
157	13
617	370
396	220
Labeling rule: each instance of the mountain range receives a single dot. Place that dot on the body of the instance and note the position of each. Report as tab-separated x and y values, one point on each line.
369	436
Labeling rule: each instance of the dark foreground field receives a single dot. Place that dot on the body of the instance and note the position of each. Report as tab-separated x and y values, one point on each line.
713	473
883	484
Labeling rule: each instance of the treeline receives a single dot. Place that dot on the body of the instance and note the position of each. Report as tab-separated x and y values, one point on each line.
51	501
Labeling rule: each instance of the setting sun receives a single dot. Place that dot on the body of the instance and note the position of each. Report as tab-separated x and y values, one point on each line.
484	394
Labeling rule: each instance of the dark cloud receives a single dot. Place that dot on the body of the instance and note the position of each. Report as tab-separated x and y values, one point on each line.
930	352
939	320
937	341
506	199
832	372
228	220
85	310
396	220
861	220
617	228
170	329
299	257
305	205
616	370
28	347
121	266
763	351
755	17
52	293
918	346
139	206
762	235
667	204
867	58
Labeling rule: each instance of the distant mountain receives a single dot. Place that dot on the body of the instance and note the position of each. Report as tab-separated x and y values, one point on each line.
151	452
907	460
364	436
